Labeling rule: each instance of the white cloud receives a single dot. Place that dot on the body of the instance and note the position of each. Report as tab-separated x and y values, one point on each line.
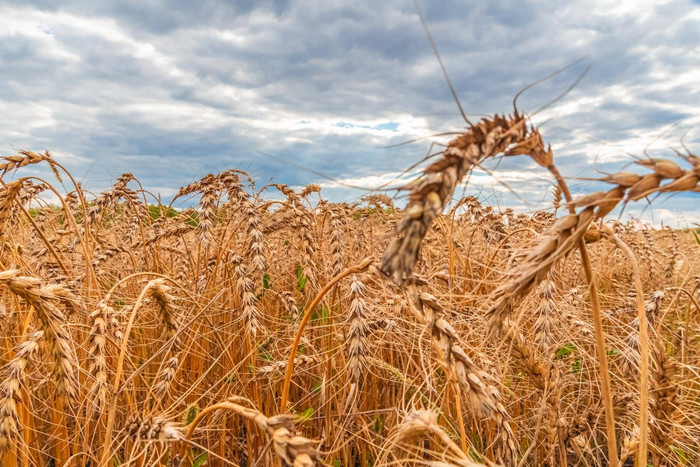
326	84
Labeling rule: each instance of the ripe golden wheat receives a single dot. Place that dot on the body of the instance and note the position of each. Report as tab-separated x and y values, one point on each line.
253	332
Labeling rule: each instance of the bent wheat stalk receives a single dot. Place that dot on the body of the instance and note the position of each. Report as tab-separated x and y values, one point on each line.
434	189
643	346
307	316
293	449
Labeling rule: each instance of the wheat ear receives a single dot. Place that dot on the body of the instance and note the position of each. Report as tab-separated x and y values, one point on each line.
293	449
483	397
13	376
52	321
168	312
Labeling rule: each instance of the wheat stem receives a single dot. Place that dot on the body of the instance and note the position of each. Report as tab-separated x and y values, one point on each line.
364	264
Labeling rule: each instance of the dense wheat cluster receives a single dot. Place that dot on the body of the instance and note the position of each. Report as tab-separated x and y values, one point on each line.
267	326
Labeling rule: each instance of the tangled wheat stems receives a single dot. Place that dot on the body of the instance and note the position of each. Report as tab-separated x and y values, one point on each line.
429	194
168	328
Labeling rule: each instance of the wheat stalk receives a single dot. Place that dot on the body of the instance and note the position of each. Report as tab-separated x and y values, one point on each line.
483	398
421	423
10	396
357	341
293	449
52	320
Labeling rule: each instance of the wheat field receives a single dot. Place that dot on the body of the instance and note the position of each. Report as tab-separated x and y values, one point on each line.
268	326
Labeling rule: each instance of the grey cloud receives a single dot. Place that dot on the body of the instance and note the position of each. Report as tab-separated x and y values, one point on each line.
173	92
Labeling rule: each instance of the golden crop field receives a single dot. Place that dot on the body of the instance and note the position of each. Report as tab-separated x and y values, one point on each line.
267	326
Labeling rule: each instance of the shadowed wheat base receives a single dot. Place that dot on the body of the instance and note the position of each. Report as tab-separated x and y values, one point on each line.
135	334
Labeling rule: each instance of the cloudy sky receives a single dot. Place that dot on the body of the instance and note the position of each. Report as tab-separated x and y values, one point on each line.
171	91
